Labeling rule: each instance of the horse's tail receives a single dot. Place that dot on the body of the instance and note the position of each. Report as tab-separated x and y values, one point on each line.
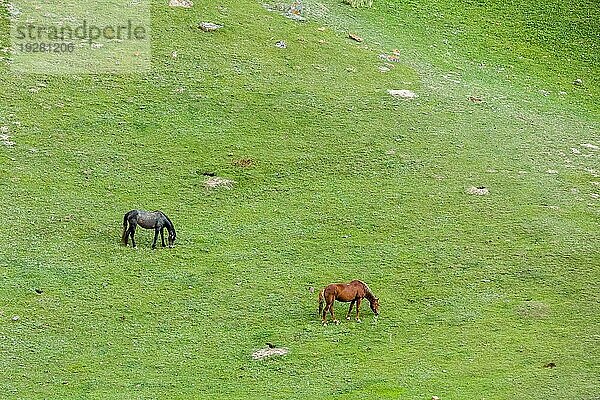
124	235
321	300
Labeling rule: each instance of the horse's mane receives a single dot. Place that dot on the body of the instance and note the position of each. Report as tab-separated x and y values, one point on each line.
170	224
368	293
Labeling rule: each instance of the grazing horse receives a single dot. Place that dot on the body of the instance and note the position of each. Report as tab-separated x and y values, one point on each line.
156	220
352	292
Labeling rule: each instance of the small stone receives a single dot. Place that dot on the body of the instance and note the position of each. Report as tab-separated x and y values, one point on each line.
281	44
355	37
578	82
217	182
181	3
390	58
402	93
590	146
296	7
295	17
552	171
209	26
16	318
269	352
478	191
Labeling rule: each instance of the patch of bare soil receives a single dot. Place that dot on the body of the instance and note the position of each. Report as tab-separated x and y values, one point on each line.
294	11
533	309
269	352
5	137
393	58
243	162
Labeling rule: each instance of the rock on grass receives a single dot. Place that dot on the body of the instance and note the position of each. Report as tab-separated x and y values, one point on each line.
402	93
478	191
269	352
209	26
215	182
181	3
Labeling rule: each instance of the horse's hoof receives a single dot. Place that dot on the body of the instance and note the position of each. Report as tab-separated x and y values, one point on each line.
347	318
324	323
358	320
336	322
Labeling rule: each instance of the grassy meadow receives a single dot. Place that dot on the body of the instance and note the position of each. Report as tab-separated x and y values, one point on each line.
334	180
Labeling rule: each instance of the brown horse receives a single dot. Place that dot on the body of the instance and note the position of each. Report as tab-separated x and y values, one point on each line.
352	292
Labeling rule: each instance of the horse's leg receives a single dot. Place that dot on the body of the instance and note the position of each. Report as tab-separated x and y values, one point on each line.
162	236
125	237
155	237
357	308
350	310
335	321
324	314
132	234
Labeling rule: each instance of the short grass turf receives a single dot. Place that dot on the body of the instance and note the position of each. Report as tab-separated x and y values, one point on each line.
479	294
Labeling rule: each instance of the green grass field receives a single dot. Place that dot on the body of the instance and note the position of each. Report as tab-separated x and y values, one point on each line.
478	293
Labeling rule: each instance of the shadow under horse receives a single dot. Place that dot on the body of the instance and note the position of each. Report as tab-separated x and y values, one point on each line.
156	220
352	292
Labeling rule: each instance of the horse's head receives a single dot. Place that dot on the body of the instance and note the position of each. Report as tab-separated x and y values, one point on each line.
172	237
375	305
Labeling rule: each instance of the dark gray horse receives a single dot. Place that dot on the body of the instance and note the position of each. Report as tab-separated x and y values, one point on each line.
156	220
